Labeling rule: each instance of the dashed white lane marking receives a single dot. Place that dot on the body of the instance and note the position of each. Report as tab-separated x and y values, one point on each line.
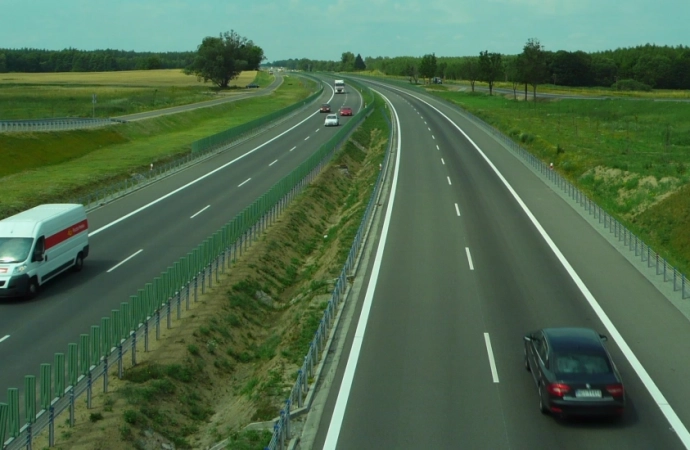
457	209
443	162
306	138
5	338
449	180
293	148
125	260
492	362
273	163
200	211
469	258
244	182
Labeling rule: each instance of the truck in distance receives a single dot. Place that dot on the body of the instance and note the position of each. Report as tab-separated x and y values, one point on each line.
339	86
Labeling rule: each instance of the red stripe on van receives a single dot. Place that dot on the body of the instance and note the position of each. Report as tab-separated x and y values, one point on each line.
61	236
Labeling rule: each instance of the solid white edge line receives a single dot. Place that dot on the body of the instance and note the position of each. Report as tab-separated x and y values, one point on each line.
124	261
492	361
200	211
273	163
348	376
457	209
293	148
652	388
469	258
449	181
244	182
170	194
7	336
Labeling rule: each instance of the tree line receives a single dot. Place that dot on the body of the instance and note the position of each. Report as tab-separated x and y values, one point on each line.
72	60
641	68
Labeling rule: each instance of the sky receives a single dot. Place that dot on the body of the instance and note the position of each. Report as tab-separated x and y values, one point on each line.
324	29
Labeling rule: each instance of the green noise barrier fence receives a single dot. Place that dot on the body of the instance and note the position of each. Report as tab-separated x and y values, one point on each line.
103	349
200	149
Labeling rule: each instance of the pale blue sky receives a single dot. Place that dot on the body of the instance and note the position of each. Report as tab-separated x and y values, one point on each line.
325	29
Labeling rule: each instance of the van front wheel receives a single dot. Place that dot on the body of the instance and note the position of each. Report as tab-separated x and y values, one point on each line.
32	288
78	263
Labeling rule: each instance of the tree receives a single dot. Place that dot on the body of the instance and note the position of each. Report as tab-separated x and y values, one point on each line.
427	68
490	68
441	69
412	72
221	59
359	63
347	62
534	61
513	71
470	71
3	63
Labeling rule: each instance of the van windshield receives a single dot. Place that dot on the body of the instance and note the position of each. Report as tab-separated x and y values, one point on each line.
14	250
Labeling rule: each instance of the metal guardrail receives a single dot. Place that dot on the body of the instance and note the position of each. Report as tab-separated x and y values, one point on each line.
629	240
57	124
122	332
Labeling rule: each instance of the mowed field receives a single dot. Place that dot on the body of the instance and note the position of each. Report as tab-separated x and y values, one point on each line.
70	94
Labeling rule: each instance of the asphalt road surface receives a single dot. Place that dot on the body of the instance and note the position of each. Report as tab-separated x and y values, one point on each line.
137	237
475	251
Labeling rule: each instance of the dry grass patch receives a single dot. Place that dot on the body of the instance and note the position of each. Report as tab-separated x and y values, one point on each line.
162	77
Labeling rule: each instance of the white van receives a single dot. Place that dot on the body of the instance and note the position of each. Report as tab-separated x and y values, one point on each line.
39	244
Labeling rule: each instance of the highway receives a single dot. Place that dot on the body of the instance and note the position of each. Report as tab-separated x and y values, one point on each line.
135	238
475	251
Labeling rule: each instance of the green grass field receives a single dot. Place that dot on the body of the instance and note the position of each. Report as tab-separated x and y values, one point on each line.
46	95
45	167
630	156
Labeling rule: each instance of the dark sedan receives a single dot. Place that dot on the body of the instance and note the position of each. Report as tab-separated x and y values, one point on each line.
574	372
325	108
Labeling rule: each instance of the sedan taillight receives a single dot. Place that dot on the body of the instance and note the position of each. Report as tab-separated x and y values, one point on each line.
558	389
615	390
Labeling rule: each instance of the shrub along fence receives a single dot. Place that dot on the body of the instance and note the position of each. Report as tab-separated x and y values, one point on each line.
103	349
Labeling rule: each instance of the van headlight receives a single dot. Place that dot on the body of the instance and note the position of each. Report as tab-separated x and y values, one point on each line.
18	270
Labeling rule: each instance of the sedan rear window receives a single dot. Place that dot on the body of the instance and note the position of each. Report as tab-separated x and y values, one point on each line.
579	363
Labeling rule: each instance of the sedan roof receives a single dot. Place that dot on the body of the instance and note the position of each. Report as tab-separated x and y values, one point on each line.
569	339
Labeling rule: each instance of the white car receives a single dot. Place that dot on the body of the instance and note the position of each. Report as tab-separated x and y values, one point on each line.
332	120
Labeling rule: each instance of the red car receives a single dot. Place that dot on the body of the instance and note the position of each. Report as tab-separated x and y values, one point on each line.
325	107
345	111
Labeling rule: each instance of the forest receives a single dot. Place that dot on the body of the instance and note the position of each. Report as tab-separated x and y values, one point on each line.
650	66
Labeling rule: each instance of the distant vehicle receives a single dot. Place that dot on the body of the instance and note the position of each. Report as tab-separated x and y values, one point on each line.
339	87
325	108
252	86
38	244
345	111
574	372
437	80
332	120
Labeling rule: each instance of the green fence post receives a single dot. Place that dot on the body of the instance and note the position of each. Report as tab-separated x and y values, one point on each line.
4	412
59	366
84	354
135	312
157	292
126	317
95	345
30	399
13	418
46	386
72	374
106	336
72	364
116	327
151	300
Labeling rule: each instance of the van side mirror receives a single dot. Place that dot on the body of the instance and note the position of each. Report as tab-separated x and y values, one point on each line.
38	257
527	338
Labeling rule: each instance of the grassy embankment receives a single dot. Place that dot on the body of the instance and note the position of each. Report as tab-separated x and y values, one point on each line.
54	166
45	95
233	359
631	157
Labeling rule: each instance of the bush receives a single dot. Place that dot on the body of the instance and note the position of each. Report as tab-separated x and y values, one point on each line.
631	85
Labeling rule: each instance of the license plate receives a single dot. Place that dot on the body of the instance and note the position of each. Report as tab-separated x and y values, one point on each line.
588	393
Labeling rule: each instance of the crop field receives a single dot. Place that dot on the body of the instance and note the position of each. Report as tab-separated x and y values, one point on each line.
47	95
631	156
